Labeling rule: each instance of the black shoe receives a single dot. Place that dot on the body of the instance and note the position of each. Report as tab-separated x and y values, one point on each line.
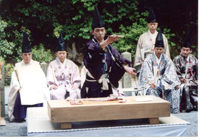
195	108
20	120
189	109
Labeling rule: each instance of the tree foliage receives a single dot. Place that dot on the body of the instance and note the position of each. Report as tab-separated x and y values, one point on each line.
5	46
44	19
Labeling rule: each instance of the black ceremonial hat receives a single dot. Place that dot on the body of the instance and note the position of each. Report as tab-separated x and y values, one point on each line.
97	20
26	44
151	16
61	43
159	40
187	41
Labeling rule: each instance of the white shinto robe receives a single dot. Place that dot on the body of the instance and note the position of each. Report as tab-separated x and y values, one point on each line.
64	76
33	86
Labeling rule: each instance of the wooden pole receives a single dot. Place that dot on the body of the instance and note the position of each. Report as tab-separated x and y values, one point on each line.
0	70
2	120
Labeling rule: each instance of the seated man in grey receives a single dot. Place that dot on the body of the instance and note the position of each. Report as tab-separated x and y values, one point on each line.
158	76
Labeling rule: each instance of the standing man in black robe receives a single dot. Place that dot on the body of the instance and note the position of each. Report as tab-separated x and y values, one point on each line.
104	63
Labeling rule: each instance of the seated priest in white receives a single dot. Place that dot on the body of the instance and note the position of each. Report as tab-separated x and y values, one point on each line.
158	76
63	76
28	85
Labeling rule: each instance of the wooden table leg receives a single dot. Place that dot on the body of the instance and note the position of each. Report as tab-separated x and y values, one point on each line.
66	125
2	121
153	120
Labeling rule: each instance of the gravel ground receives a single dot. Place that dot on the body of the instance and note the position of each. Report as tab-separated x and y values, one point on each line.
19	129
192	118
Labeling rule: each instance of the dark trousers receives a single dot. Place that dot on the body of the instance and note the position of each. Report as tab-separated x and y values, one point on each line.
20	110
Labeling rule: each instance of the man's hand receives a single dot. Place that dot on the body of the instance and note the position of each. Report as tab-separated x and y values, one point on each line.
153	86
19	89
54	87
177	87
112	38
130	70
74	86
183	81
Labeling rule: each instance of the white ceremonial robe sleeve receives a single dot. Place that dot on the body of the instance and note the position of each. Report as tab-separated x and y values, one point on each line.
167	52
14	87
146	77
51	79
33	89
76	79
139	53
